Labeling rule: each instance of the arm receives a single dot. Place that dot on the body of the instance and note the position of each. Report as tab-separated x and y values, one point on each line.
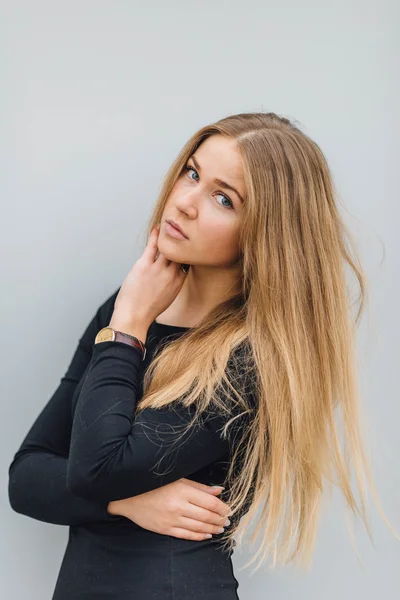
114	455
37	474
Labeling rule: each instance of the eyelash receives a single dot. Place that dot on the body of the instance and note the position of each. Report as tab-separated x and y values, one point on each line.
189	168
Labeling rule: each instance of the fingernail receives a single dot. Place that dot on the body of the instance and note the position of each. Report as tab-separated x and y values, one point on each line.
227	522
218	486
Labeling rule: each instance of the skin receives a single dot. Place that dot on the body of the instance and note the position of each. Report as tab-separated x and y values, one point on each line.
202	209
184	509
156	288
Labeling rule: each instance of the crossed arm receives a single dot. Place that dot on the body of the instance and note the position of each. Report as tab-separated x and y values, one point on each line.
115	455
37	485
72	463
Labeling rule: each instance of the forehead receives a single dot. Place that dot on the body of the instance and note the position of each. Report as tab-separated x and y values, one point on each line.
221	151
220	158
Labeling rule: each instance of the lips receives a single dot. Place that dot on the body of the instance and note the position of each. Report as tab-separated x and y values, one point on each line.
174	224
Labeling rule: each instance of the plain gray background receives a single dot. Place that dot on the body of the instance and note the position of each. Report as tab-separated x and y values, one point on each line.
97	99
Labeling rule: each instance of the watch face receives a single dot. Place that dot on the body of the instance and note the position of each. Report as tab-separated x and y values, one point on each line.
106	334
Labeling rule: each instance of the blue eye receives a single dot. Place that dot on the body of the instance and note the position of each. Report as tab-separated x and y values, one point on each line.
189	168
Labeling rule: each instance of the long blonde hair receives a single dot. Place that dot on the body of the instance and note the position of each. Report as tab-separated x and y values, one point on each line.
293	315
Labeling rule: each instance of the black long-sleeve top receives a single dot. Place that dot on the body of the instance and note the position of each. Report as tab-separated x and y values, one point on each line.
37	484
87	448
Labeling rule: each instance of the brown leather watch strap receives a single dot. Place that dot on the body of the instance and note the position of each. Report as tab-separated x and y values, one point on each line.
131	341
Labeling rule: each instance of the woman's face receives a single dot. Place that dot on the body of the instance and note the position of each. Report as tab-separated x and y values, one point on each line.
208	213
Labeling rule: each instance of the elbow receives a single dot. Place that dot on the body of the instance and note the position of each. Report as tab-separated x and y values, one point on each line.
13	497
16	496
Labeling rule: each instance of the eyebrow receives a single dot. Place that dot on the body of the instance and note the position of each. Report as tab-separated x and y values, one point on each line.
223	184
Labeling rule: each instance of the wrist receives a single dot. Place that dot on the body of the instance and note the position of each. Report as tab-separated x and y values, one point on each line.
136	327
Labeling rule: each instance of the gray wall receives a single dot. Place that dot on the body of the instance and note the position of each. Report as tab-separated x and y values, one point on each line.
97	99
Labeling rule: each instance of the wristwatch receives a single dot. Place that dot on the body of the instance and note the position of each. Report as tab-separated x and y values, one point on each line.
108	334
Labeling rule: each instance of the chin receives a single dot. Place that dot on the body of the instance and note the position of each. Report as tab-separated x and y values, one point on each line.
170	254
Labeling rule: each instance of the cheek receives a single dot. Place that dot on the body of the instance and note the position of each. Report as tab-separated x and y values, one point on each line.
219	239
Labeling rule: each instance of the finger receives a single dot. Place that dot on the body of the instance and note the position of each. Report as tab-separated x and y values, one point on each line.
214	489
209	489
185	534
151	249
193	511
162	260
201	526
208	502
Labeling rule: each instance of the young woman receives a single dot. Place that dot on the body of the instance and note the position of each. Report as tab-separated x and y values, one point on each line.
220	360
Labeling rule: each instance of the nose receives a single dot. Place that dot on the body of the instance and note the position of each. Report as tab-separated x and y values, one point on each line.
188	203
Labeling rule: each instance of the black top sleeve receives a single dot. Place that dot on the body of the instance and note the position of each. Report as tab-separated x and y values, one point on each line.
115	454
37	475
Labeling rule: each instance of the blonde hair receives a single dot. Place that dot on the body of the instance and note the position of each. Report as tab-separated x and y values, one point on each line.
293	316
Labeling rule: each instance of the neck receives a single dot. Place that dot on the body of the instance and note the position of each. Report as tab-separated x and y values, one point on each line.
203	289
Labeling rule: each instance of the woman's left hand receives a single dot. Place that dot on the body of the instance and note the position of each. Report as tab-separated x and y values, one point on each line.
150	287
184	509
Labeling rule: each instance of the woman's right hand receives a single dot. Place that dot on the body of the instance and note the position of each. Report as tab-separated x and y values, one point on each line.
184	509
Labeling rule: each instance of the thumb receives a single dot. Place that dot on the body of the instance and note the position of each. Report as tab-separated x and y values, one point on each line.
151	247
